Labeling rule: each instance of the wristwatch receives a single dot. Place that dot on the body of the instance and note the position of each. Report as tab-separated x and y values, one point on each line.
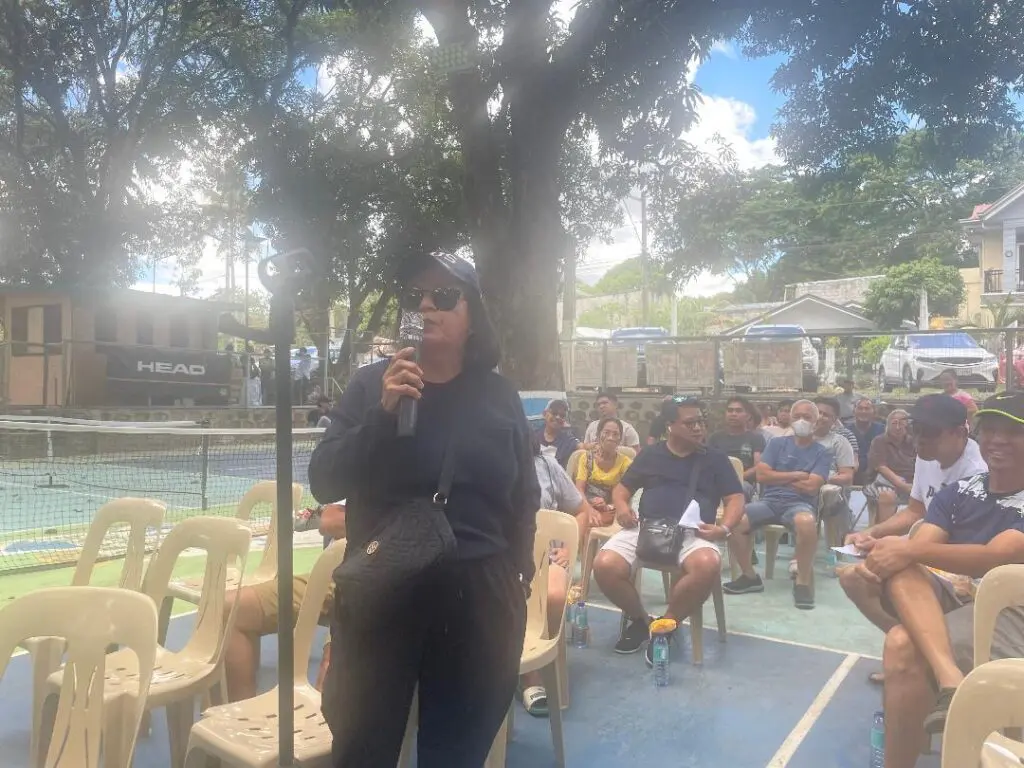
728	530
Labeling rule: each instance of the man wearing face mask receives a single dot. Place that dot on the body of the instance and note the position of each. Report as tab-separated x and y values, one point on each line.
791	472
945	455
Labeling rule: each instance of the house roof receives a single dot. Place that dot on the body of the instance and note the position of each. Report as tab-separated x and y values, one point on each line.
987	211
93	295
807	298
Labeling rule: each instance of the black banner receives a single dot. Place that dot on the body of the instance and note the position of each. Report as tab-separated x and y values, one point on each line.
167	365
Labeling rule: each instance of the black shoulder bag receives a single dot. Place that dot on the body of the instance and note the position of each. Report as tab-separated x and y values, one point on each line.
412	541
660	541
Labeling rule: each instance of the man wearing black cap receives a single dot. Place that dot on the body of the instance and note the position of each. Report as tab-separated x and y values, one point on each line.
556	436
945	454
971	527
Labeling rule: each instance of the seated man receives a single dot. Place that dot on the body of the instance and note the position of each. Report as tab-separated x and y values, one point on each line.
740	439
792	470
663	472
865	428
971	527
843	446
945	455
257	616
556	436
556	492
892	457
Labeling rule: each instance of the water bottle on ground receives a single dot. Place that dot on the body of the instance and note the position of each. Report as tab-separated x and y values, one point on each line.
878	741
831	562
581	630
661	630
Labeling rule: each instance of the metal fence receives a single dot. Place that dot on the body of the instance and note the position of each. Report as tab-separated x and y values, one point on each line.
900	360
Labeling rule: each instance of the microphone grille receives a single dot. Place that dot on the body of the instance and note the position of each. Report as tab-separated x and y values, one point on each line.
411	327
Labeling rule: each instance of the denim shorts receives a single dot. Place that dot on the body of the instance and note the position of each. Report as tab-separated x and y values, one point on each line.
768	512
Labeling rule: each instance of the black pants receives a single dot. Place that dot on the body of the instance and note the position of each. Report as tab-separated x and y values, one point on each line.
460	640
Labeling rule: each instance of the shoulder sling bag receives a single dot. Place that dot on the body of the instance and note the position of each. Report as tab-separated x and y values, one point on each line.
660	541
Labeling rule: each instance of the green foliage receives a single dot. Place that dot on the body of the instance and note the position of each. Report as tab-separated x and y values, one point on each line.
872	349
894	299
776	225
626	277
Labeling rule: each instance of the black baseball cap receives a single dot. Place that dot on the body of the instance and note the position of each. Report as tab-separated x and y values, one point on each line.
456	266
938	410
1009	405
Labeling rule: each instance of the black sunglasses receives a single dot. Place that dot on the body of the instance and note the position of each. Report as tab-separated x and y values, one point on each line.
443	299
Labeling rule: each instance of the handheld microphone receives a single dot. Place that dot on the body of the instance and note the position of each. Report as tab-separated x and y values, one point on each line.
410	334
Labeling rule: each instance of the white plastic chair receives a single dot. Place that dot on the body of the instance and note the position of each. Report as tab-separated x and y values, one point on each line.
88	620
245	733
46	652
543	650
189	590
198	668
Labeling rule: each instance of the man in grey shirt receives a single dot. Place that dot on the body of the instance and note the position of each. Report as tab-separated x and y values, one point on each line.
844	462
607	404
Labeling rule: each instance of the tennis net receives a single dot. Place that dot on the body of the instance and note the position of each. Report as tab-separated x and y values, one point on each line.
55	475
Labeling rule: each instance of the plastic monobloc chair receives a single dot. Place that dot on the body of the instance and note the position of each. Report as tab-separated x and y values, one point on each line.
245	733
75	717
179	677
140	515
991	698
543	649
190	590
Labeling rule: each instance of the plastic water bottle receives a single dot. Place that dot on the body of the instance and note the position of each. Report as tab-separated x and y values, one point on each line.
831	562
660	656
570	623
878	741
581	630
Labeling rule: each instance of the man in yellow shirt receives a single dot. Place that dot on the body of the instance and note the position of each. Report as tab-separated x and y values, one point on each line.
257	616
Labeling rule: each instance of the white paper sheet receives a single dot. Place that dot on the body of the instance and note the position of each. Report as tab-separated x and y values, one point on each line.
850	550
691	516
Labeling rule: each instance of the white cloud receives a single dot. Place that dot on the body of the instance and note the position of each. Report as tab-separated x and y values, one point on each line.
733	121
725	48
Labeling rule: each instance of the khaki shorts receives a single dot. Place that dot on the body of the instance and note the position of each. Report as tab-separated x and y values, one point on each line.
624	544
1007	641
267	597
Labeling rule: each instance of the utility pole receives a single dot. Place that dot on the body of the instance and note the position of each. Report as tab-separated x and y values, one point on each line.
645	294
922	310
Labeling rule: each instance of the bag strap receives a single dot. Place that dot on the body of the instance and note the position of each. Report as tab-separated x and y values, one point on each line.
691	489
444	482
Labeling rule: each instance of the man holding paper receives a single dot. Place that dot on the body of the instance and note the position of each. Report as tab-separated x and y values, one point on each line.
945	454
971	526
666	473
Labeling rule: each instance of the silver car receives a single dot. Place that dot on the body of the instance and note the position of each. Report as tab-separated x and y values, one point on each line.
916	360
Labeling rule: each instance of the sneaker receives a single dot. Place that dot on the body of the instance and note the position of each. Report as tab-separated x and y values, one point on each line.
633	637
744	585
803	597
649	651
935	722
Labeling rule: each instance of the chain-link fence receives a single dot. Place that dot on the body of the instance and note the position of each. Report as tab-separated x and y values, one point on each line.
901	360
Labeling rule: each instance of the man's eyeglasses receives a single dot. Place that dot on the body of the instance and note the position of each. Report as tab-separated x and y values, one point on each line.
443	299
693	424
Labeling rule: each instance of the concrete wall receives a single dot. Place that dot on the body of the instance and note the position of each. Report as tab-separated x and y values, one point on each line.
841	291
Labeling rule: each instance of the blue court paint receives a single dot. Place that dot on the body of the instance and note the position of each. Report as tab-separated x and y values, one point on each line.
736	710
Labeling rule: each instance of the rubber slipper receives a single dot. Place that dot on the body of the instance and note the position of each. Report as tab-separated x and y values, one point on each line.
878	678
535	701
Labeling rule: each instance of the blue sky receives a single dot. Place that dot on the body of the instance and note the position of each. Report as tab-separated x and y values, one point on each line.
738	104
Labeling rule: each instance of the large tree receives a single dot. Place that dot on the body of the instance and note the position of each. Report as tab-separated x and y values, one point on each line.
97	100
519	77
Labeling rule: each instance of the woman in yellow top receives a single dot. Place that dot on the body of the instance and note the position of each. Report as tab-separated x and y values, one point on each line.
600	470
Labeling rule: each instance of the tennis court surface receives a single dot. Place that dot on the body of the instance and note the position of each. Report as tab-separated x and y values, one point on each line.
54	476
754	703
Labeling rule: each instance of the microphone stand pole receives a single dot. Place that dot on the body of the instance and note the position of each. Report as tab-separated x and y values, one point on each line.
292	272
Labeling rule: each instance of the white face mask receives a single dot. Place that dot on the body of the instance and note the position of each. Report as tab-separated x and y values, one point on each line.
802	428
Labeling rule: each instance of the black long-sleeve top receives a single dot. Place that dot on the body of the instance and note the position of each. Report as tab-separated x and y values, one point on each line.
495	495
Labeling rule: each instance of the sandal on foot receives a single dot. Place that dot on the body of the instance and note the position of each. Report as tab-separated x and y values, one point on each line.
535	701
935	722
878	678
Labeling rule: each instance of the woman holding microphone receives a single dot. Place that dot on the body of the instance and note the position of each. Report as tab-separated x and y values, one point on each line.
460	638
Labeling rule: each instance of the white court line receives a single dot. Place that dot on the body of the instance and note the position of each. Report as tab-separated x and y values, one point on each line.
32	488
782	640
803	727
